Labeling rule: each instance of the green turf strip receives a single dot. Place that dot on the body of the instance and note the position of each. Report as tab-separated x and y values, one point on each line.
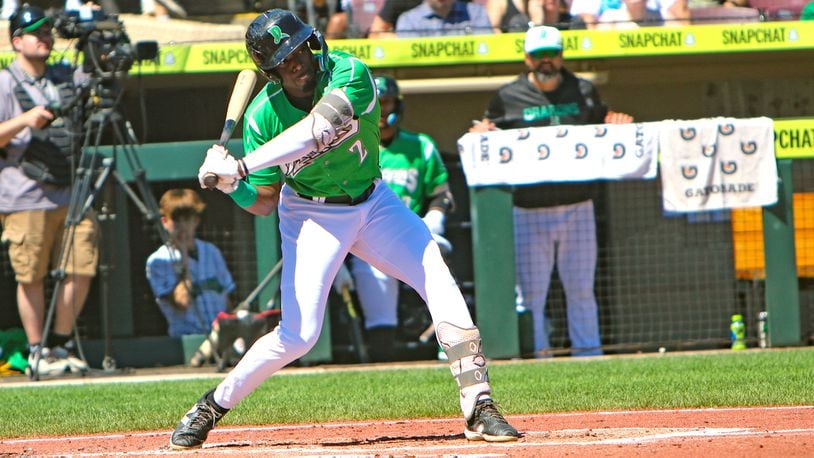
718	379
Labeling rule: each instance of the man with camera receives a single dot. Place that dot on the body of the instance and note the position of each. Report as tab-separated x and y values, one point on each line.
37	143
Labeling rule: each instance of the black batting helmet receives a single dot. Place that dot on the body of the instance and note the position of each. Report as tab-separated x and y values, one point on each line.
386	86
275	34
26	19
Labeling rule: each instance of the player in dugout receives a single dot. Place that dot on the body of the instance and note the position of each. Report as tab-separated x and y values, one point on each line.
312	142
412	167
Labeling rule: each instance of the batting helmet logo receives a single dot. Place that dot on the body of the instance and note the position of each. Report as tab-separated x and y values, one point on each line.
689	171
688	133
543	152
618	151
749	148
277	34
729	167
582	151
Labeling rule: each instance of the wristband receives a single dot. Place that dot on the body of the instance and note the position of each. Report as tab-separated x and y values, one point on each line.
244	195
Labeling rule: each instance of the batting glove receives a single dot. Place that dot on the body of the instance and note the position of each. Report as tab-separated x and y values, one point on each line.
343	280
434	219
219	162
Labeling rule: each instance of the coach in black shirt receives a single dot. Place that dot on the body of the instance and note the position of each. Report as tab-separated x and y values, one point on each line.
553	223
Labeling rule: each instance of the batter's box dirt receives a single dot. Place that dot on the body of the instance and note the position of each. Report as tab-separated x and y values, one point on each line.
753	432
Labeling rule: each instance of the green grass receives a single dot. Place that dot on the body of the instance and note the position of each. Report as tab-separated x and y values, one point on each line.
751	378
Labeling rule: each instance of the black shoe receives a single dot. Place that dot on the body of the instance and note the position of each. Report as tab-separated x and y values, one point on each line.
487	424
192	430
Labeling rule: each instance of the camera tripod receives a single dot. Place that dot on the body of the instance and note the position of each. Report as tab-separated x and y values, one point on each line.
91	176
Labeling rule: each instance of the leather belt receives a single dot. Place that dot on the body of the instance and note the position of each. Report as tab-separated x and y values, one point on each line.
343	200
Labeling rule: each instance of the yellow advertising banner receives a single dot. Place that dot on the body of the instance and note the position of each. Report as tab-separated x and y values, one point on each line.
508	47
794	138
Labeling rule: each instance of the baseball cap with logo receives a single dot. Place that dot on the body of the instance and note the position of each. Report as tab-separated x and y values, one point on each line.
26	19
543	38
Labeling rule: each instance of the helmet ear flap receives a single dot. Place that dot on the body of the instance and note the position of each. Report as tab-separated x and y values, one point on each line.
317	43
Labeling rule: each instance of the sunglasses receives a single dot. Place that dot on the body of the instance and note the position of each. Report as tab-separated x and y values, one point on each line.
544	53
42	31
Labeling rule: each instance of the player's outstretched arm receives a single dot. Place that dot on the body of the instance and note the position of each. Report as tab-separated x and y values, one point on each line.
316	132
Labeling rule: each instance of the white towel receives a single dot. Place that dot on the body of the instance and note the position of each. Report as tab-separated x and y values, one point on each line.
717	163
560	153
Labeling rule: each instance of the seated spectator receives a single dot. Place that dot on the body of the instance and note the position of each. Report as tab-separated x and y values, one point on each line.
188	276
352	18
337	26
625	14
713	3
443	17
162	9
384	24
516	15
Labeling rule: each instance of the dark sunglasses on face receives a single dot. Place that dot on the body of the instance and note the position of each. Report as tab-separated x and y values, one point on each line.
44	31
544	53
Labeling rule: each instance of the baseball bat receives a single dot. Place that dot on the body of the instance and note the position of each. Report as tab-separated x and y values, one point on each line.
244	85
356	327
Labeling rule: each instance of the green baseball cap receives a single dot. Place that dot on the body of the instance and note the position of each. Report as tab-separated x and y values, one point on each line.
26	20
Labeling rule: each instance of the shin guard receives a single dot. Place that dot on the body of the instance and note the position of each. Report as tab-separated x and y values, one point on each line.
466	361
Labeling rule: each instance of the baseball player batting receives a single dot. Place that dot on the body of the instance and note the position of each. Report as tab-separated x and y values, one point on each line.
312	142
412	167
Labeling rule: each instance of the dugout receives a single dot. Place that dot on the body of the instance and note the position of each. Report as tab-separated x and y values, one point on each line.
662	280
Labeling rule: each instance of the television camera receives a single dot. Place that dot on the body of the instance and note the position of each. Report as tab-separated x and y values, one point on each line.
105	47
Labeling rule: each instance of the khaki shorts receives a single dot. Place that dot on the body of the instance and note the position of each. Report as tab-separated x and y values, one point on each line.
35	239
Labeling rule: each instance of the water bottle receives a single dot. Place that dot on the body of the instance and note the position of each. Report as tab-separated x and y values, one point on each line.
737	332
763	329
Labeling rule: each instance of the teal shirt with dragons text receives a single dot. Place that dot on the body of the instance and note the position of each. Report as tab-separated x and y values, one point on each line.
351	163
412	167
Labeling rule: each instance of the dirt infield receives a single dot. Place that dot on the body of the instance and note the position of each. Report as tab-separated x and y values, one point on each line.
756	432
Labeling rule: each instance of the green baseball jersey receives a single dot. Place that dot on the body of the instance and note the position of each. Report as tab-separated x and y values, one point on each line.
350	163
413	169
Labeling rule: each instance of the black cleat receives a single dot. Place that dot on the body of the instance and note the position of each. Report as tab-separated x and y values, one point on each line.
192	430
487	424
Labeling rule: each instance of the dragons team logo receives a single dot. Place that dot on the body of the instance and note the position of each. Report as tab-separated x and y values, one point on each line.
505	154
618	151
689	171
523	134
277	33
726	129
581	150
600	131
562	132
709	150
729	167
688	133
749	148
543	152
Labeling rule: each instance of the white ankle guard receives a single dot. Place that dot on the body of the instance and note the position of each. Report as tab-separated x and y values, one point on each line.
466	361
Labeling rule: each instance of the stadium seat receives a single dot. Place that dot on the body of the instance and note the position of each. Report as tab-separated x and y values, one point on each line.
360	16
723	15
779	9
